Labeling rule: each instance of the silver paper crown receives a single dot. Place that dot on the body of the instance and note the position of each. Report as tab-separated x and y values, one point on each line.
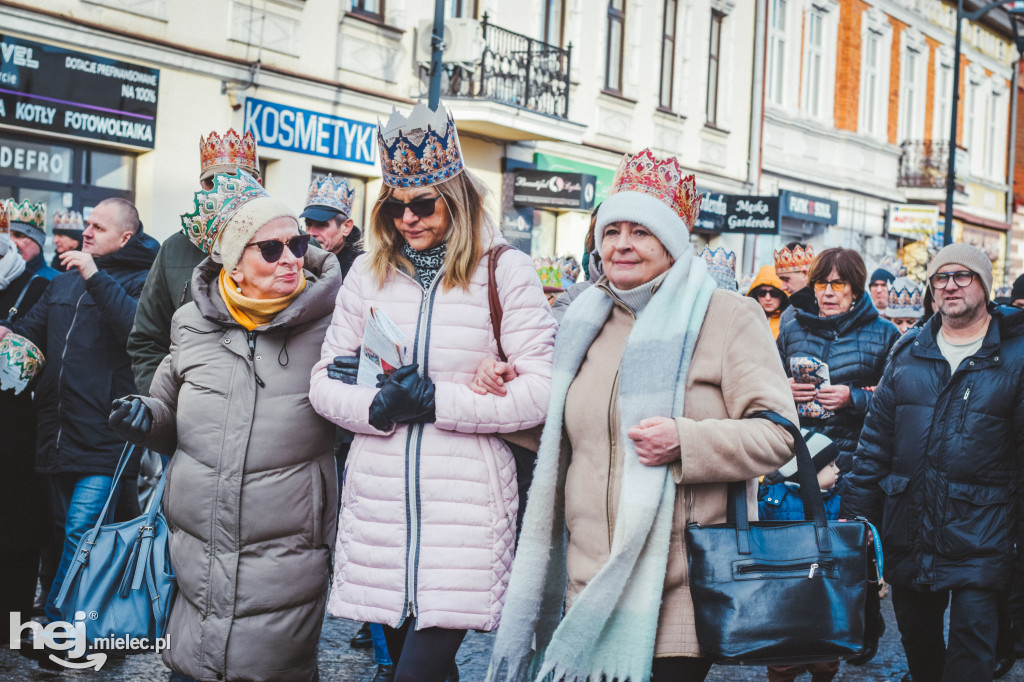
330	193
419	150
68	221
721	266
893	265
905	299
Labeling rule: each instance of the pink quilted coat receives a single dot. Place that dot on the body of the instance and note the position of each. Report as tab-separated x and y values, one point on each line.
428	511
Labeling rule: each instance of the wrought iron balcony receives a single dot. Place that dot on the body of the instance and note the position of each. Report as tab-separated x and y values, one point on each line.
924	164
516	70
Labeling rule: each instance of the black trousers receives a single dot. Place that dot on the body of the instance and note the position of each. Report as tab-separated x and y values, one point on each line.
680	669
425	655
973	631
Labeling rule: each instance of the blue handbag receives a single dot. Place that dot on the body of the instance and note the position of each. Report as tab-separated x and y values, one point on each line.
121	577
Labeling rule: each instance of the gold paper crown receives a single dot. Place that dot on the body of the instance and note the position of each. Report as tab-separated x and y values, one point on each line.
663	180
788	262
68	221
419	150
215	207
33	215
331	193
216	152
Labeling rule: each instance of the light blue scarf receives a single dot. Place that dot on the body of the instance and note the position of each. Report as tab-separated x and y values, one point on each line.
610	629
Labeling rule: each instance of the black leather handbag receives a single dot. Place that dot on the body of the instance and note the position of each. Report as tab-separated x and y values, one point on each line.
781	591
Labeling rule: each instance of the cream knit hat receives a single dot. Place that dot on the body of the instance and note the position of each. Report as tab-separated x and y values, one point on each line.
971	257
245	223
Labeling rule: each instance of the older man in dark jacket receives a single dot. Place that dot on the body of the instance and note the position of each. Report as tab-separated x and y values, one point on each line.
81	323
938	467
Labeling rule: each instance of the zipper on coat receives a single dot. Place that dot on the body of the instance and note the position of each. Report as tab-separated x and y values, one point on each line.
611	461
251	336
60	374
963	407
412	456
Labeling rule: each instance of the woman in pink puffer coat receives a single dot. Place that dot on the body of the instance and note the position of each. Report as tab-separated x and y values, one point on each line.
427	524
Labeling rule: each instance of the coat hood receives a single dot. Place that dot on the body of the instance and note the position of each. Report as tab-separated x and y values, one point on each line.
138	253
862	312
766	277
323	279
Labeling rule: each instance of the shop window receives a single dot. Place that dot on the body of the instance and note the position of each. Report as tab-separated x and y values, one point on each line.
108	170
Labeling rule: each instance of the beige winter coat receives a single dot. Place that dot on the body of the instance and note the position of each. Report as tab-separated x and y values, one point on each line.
734	372
251	494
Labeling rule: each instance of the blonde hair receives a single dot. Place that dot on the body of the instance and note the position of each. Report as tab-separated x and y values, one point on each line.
463	198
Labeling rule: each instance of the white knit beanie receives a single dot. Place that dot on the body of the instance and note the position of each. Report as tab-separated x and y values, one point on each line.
646	210
246	222
971	257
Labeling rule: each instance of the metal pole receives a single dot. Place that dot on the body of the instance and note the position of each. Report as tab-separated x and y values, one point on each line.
951	166
436	42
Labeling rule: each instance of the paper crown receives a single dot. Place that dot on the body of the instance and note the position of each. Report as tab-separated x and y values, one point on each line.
330	193
20	361
787	262
5	220
68	221
419	150
216	152
905	299
894	265
215	207
663	180
721	266
33	215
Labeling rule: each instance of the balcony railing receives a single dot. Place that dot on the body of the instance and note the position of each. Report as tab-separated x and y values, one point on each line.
924	163
515	70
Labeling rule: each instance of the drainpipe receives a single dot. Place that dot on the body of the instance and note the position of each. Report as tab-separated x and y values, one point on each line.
1012	156
756	120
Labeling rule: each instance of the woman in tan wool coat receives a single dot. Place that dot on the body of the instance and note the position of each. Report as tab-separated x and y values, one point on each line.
654	372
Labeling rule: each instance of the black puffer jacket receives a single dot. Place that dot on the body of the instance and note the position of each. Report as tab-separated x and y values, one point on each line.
938	467
854	345
82	328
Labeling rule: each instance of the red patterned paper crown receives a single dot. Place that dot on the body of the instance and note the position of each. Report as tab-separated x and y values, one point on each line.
419	150
787	262
215	207
216	151
663	180
68	221
331	193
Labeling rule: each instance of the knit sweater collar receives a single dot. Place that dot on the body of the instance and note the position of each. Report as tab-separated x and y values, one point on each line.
637	298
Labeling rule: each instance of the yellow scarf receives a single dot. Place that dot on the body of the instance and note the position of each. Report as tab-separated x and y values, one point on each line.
254	312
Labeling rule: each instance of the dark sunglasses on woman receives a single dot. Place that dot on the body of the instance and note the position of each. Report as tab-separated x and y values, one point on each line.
271	249
421	208
761	292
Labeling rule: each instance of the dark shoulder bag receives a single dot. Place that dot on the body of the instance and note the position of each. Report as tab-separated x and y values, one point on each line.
524	444
13	312
769	592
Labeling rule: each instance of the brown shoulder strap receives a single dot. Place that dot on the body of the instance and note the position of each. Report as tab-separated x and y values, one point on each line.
493	300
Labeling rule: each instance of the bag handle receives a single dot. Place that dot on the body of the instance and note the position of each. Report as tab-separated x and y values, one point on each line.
13	312
493	300
814	506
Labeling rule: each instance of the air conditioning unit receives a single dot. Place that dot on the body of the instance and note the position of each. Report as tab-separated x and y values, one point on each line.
463	42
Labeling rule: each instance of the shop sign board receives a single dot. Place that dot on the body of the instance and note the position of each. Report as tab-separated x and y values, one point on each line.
308	132
558	164
713	211
751	214
35	161
545	189
808	208
51	89
913	221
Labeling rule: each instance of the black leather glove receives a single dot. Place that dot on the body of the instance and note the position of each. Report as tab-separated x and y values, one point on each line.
344	368
131	419
404	398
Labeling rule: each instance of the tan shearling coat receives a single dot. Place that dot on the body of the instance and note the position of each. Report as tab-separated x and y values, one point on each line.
734	372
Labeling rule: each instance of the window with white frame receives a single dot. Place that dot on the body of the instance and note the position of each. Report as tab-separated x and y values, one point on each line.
876	45
943	104
777	43
913	82
819	49
995	131
972	135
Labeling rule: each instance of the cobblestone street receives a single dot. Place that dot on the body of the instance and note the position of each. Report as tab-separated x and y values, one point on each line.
338	662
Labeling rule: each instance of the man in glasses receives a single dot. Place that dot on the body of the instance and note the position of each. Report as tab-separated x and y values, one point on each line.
328	219
938	467
168	286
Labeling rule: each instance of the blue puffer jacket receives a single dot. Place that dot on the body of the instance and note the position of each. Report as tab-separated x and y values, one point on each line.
781	502
82	328
854	345
939	464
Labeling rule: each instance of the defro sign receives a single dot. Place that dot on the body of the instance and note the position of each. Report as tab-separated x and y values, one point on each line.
308	132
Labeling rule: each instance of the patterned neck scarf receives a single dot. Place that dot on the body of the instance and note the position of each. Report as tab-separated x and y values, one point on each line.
427	263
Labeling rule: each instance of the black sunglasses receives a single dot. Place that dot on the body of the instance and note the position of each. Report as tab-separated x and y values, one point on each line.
271	249
421	208
761	292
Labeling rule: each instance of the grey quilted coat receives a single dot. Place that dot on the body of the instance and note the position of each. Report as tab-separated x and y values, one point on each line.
251	494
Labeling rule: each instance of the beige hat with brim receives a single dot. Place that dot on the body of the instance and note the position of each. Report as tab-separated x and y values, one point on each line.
246	222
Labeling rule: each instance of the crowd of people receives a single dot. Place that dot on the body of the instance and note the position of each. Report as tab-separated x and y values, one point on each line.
299	482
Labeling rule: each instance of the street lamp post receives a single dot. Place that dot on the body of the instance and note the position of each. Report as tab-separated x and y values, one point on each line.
1013	7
